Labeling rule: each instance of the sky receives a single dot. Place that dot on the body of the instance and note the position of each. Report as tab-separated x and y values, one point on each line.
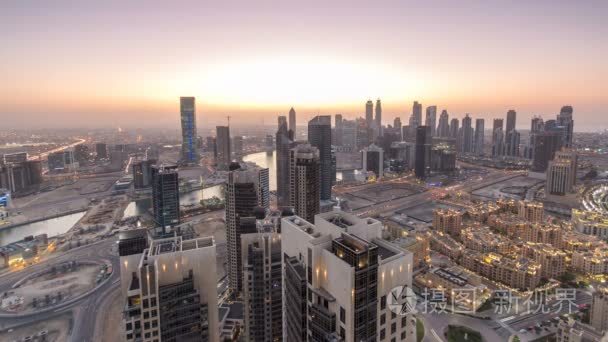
126	63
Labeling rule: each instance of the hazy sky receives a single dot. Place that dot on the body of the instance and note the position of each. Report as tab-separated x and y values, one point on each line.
70	63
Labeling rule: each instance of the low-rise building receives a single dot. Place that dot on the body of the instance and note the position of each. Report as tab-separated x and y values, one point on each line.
544	233
447	221
446	245
594	262
590	223
551	259
520	273
455	281
599	310
482	239
508	223
574	331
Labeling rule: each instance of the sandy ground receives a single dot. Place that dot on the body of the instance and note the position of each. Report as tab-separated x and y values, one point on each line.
57	329
69	284
109	326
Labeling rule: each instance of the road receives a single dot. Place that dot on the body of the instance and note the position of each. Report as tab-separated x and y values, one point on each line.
85	310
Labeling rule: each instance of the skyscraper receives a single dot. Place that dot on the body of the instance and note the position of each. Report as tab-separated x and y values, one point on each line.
561	173
165	196
423	152
338	130
443	128
545	146
304	179
454	128
511	118
536	126
283	143
431	117
498	138
262	290
338	289
349	135
101	150
467	135
379	117
292	123
169	289
417	113
373	160
479	136
512	143
189	136
246	189
142	173
369	113
319	136
564	119
222	143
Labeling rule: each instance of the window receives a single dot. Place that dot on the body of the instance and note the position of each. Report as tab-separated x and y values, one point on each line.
147	335
403	321
383	303
403	335
146	315
146	305
342	332
129	326
153	301
393	339
342	315
393	327
147	325
393	315
382	334
154	313
382	319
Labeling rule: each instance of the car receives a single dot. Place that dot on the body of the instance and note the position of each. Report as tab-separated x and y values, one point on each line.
523	331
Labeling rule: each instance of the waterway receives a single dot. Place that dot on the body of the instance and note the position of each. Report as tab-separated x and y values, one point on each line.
51	227
139	207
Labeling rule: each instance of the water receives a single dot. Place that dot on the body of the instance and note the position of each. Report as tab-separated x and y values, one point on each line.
265	160
51	227
140	207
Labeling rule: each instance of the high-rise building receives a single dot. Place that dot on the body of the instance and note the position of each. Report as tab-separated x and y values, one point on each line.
338	276
537	125
373	160
497	123
338	130
81	154
246	189
443	128
101	150
304	179
349	135
189	136
262	288
479	137
564	119
237	146
397	125
18	177
498	142
447	221
369	113
363	134
454	129
545	145
512	139
599	310
511	120
17	157
467	136
319	136
417	113
169	289
222	143
431	118
142	173
292	123
283	143
423	152
379	117
165	196
561	173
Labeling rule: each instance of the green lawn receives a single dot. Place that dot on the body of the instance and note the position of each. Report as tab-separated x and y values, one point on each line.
457	334
419	330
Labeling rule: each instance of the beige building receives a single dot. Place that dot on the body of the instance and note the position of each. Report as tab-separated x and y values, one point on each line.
482	239
561	173
447	221
455	280
530	211
544	233
446	245
552	260
521	273
593	262
574	331
590	223
510	224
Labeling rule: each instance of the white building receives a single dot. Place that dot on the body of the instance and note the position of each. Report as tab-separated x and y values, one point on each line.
338	274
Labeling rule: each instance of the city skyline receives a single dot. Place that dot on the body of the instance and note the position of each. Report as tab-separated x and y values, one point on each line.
237	60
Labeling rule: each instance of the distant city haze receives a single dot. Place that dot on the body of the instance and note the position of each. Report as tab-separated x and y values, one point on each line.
116	63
